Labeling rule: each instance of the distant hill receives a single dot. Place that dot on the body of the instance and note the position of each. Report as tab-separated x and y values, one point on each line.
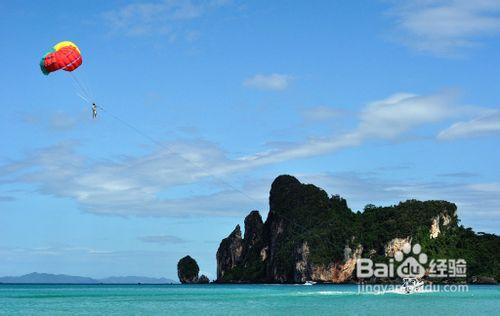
48	278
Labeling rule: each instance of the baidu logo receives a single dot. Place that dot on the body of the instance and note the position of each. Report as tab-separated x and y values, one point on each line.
410	262
411	267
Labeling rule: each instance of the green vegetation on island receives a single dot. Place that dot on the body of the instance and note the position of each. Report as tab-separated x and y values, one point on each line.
309	235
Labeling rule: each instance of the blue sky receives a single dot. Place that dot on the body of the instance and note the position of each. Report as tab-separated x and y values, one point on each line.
378	101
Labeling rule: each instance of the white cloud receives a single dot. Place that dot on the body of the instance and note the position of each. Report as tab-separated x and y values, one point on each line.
137	185
487	123
274	82
157	17
401	112
142	185
389	118
443	26
491	187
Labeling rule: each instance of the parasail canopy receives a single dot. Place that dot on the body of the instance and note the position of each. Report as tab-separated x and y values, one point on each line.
64	55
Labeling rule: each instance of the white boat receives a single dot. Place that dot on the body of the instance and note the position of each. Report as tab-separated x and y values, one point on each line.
412	285
309	283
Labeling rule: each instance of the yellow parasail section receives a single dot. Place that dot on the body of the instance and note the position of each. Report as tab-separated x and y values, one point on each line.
60	45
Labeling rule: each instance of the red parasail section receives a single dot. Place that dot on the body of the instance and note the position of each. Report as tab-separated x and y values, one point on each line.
66	58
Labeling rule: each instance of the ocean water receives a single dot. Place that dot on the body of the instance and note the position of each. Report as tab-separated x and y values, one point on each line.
240	300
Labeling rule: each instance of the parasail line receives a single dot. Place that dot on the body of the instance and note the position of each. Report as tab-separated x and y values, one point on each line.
170	151
83	98
304	229
82	87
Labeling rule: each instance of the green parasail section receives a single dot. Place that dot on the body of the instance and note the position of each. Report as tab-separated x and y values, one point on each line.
42	62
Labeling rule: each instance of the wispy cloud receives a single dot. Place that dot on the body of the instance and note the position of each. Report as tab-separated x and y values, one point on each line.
141	185
274	82
162	239
485	124
6	198
386	119
443	27
136	185
158	17
62	121
321	113
53	250
55	121
462	174
402	112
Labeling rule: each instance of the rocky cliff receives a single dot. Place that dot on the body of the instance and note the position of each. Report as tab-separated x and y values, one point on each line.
309	235
187	271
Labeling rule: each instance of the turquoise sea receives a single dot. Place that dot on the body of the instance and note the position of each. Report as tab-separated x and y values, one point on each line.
239	300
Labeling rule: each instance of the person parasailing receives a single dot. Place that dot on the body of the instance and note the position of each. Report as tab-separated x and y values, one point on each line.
66	56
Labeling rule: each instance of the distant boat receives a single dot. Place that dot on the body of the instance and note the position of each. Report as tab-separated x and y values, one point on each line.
412	285
309	283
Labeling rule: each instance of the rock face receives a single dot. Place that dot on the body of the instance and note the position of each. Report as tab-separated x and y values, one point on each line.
345	270
254	228
334	272
274	252
395	245
310	236
203	279
444	220
243	257
187	271
434	230
302	271
229	252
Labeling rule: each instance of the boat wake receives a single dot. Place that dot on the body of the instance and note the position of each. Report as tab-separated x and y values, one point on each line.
328	293
350	293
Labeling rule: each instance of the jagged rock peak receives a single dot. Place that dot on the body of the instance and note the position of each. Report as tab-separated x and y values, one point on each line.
230	252
253	227
236	233
203	279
